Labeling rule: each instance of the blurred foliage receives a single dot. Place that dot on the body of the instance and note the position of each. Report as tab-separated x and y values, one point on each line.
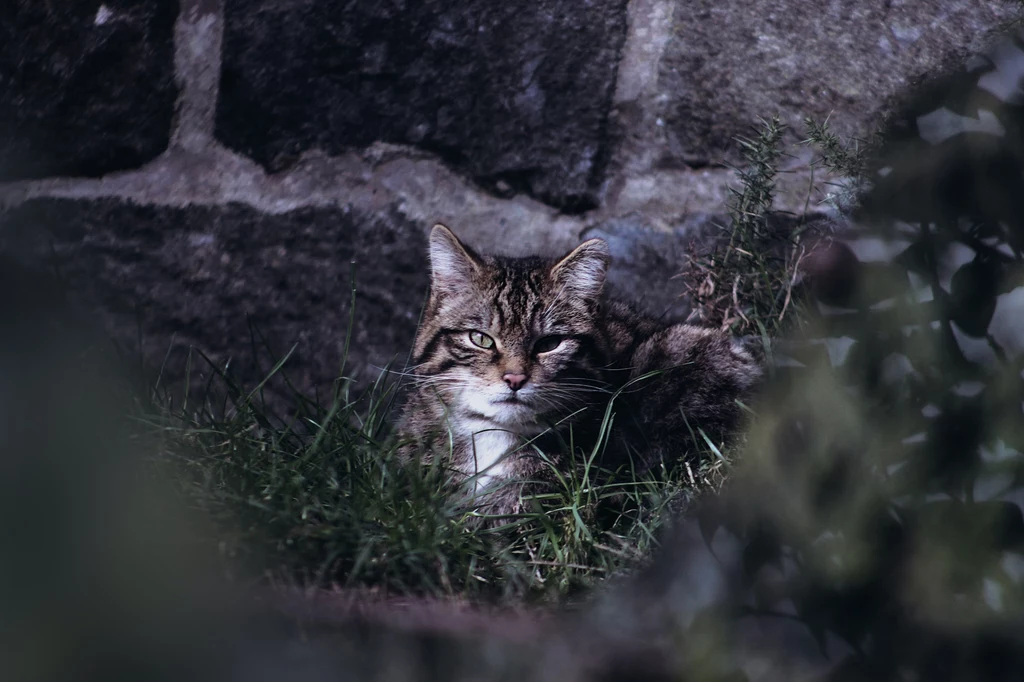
874	528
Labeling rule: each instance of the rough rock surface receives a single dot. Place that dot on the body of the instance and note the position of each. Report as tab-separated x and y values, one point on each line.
646	261
407	114
208	277
86	87
726	64
514	94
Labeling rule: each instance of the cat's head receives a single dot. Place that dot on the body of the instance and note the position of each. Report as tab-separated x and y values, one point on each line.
512	341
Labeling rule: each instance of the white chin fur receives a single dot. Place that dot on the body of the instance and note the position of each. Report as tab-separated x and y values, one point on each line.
514	416
495	436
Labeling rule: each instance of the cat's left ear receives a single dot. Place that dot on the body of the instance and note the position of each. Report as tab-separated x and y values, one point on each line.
583	271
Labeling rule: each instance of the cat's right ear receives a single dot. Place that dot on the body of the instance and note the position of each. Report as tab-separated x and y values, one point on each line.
584	269
450	261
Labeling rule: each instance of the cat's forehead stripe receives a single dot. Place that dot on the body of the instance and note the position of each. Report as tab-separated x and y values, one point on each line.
518	292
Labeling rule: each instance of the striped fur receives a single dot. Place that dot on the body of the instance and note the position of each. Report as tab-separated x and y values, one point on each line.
547	320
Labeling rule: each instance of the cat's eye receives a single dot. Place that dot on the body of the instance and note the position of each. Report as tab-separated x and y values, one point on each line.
546	344
481	340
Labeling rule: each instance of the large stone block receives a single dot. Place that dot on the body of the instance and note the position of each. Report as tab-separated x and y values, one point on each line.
86	86
647	261
728	63
219	278
514	94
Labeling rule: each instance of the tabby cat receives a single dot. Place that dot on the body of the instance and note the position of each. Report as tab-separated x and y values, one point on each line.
514	355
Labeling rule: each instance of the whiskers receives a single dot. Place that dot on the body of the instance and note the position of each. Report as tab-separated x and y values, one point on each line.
409	372
438	381
569	395
581	384
545	399
445	383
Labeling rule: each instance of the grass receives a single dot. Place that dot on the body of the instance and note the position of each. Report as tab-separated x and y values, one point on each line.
318	497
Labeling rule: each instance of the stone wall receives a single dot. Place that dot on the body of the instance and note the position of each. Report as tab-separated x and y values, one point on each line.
202	168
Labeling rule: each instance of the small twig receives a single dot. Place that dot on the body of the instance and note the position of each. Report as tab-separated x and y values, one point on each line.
792	281
736	299
613	550
535	562
558	564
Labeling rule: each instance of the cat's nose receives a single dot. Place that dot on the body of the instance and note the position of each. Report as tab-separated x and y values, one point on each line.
515	381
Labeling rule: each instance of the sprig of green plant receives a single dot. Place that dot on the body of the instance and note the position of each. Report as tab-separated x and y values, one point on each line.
846	159
749	280
751	204
745	283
